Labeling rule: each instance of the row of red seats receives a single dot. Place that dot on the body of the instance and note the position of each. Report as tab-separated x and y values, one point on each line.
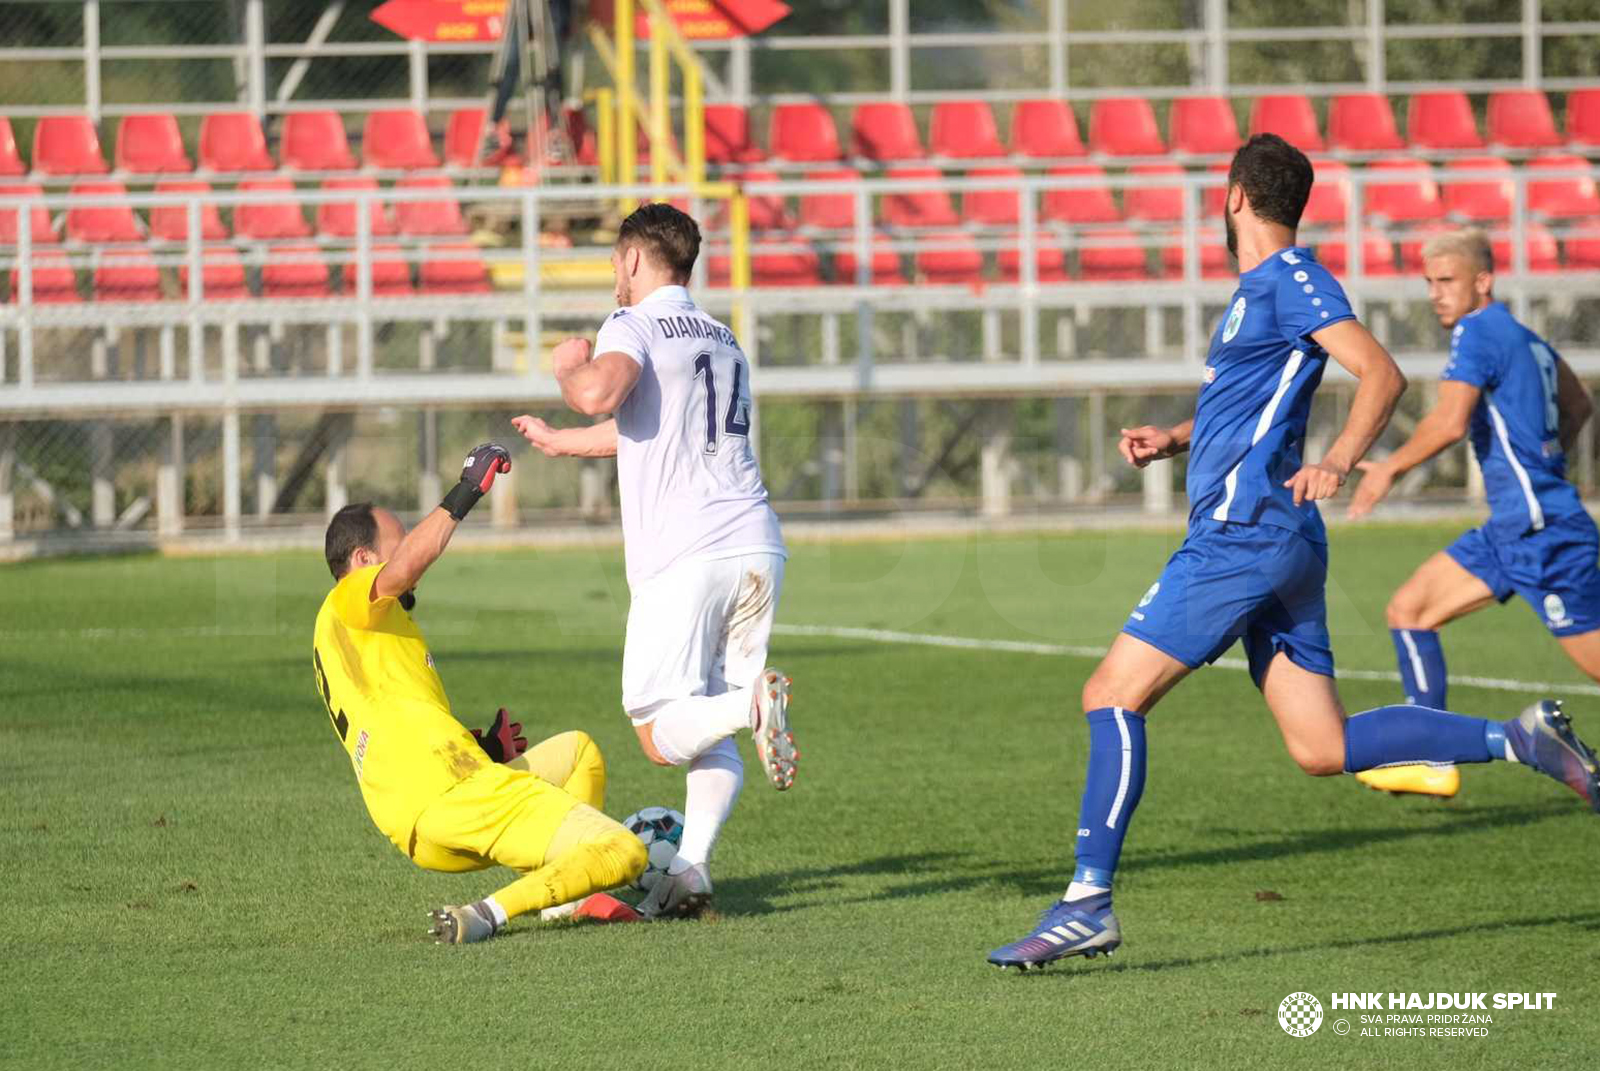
270	219
151	144
1126	126
956	258
134	274
1411	194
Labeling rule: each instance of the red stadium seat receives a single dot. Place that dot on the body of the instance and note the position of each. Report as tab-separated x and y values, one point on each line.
1329	202
1203	126
918	208
1583	247
830	211
1045	130
1563	198
1377	254
52	278
391	273
884	266
949	258
803	133
456	268
294	272
398	139
1091	205
316	141
1124	126
265	219
768	212
1583	118
1214	198
221	276
1543	253
170	223
127	275
964	130
1113	254
1479	199
151	145
1290	116
1214	260
770	268
885	132
339	219
992	208
1154	203
440	218
1363	122
1049	260
67	145
104	222
1442	119
728	135
11	165
1521	119
1402	191
233	141
461	136
41	231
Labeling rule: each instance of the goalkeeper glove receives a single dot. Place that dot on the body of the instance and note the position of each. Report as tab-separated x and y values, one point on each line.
477	476
503	741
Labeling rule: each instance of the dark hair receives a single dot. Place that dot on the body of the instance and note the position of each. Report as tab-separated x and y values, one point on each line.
667	236
1276	178
352	528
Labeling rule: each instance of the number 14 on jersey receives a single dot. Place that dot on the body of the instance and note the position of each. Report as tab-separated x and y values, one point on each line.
736	421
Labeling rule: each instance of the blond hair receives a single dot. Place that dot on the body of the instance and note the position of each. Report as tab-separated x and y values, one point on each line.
1471	245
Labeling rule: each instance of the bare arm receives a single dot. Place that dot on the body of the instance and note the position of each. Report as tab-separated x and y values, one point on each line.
1379	386
1572	399
593	387
1444	425
1142	445
596	440
419	549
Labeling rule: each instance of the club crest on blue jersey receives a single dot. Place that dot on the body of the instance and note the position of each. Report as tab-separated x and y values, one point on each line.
1555	611
1235	319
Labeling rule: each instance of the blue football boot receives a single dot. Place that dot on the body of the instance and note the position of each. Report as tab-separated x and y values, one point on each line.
1085	927
1543	738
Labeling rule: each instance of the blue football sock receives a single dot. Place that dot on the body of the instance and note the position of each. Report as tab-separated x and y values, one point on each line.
1110	792
1421	665
1394	736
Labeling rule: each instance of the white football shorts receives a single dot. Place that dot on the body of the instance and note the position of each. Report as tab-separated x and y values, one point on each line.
697	628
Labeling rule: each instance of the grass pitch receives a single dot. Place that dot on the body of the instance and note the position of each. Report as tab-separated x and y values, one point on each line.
191	879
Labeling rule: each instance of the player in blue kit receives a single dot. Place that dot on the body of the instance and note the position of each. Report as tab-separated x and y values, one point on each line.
1254	563
1522	406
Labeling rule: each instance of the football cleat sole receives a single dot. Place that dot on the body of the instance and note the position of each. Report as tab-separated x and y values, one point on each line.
459	926
773	738
1415	780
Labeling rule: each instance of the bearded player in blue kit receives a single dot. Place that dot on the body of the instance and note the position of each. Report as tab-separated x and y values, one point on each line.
1523	407
1254	563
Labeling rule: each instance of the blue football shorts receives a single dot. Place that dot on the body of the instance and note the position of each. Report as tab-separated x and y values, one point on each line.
1554	569
1257	583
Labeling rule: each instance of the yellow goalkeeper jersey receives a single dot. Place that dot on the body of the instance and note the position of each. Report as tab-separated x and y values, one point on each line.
387	705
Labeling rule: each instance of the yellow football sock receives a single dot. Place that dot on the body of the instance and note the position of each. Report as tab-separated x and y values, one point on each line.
579	863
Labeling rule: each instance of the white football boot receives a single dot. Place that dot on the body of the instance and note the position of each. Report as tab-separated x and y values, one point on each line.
461	925
770	728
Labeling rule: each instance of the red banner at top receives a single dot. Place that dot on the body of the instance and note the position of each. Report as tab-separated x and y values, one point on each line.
443	20
701	20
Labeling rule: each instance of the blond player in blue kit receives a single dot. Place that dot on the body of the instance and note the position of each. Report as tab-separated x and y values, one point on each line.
450	799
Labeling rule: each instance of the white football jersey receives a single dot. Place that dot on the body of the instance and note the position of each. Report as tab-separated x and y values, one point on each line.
689	482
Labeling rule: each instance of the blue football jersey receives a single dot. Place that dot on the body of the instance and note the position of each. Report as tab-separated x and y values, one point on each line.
1260	374
1514	427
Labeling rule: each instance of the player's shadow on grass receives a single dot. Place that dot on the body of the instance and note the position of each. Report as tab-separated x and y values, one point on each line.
1589	920
753	895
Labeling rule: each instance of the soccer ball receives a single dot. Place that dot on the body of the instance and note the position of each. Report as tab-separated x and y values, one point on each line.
660	828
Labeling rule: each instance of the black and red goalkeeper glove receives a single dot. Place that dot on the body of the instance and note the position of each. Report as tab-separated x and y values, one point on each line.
503	741
477	476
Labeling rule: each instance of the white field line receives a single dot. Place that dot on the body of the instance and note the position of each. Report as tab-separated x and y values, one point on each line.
970	643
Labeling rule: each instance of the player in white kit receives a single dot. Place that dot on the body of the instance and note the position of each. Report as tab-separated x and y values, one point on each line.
704	551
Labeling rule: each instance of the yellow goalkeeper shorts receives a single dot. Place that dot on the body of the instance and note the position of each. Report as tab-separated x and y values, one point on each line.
497	815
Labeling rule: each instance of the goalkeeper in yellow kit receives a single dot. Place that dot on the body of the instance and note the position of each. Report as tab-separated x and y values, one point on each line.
450	799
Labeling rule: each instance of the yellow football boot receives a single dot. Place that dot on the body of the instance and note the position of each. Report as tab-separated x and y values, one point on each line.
1419	780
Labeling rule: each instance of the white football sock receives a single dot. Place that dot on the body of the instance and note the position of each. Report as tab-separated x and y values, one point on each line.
1078	890
711	787
499	913
689	727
